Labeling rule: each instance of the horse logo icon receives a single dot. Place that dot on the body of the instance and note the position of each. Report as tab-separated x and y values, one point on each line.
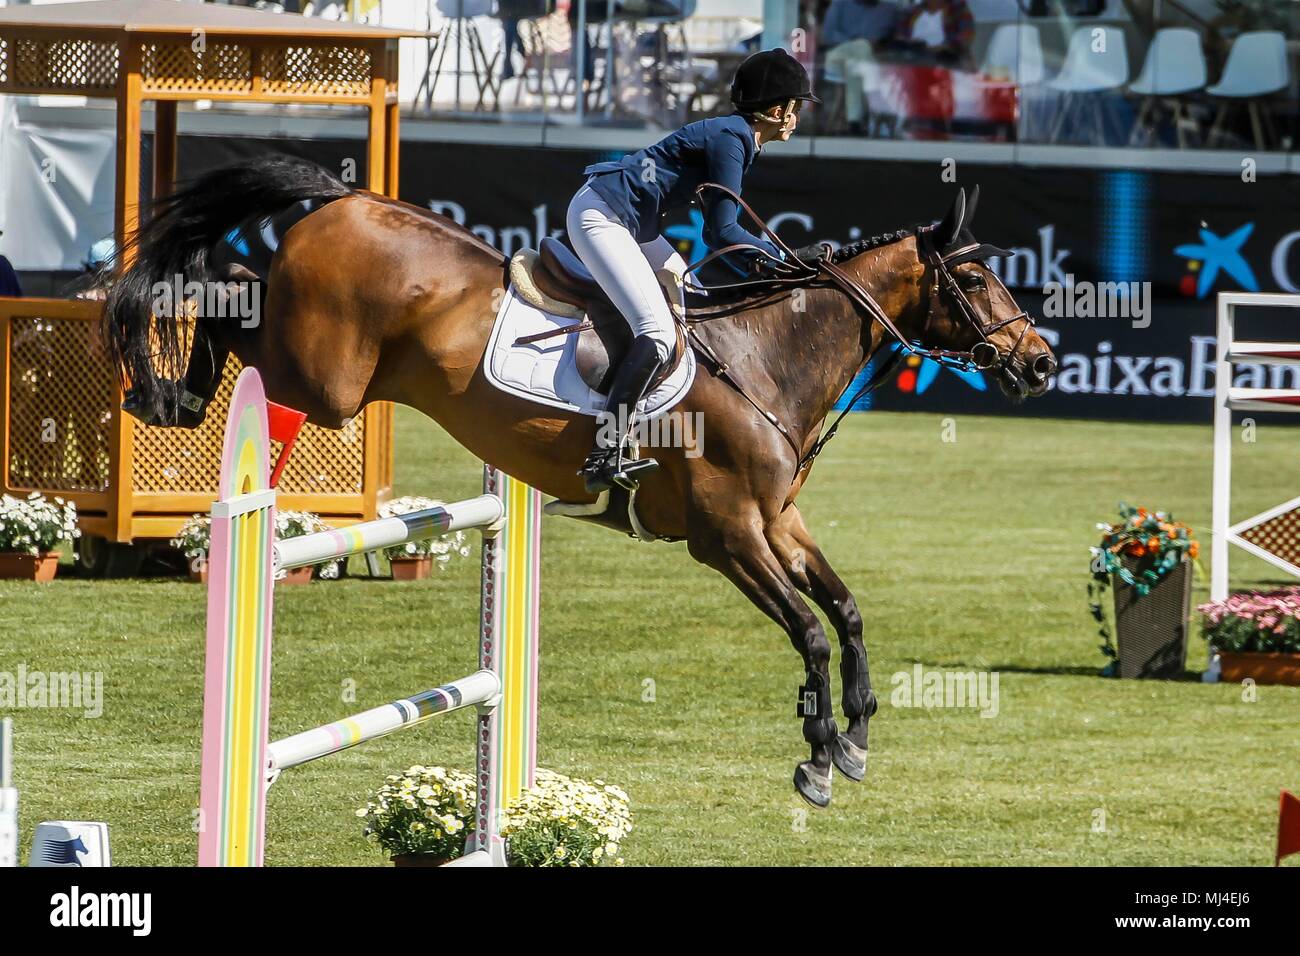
63	852
67	844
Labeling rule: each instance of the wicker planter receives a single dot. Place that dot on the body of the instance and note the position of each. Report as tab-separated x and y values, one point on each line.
412	569
1237	666
15	566
1151	631
198	575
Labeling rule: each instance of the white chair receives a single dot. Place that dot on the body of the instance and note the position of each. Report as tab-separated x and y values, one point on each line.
459	31
1174	66
1015	51
1015	54
1096	62
1256	68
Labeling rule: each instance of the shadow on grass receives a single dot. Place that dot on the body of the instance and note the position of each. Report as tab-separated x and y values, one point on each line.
1186	677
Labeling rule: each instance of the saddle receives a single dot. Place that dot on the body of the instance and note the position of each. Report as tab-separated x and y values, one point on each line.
554	279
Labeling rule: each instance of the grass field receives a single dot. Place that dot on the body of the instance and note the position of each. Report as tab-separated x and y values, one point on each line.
656	675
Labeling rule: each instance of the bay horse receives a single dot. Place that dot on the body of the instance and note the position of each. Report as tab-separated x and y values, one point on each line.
370	299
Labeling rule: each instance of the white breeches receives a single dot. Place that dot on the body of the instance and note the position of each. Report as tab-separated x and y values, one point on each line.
626	270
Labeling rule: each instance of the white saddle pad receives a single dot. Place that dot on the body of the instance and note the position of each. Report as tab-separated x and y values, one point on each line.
546	372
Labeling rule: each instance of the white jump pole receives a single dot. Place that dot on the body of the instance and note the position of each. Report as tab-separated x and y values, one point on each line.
483	512
479	688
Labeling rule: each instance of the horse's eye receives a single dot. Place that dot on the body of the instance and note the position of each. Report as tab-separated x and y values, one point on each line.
975	284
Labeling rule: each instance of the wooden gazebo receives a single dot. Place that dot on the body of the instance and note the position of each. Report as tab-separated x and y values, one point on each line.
61	431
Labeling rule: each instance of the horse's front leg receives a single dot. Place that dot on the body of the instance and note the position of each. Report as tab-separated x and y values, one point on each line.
740	551
808	568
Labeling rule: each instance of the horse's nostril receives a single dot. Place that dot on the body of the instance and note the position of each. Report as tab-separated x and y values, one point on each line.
1043	366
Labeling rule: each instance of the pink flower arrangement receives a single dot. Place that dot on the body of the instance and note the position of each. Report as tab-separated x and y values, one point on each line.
1266	621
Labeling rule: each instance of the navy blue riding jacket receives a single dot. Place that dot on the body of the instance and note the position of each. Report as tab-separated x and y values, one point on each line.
9	280
643	185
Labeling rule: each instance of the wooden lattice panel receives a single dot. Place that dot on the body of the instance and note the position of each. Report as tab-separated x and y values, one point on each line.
316	71
59	410
184	461
179	68
74	65
1279	535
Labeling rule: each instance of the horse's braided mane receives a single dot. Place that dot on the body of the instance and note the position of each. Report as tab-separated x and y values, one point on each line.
844	253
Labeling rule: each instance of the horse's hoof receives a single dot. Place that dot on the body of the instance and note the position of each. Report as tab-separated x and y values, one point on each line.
849	758
812	785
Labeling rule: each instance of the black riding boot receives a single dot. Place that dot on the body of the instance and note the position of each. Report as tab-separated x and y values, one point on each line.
605	466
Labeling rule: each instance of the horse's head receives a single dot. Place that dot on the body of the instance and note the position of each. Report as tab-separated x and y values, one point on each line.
970	310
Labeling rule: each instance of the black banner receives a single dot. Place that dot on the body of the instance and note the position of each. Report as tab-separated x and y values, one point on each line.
1120	267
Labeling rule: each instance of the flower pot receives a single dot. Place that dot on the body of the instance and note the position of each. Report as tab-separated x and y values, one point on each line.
15	566
413	568
198	575
1151	629
1236	666
420	859
296	576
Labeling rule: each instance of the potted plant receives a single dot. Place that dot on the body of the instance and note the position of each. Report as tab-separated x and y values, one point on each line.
1255	635
1147	556
562	821
414	560
31	529
293	524
424	816
195	538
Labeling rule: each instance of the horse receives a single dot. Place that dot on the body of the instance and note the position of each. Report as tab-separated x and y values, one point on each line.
370	299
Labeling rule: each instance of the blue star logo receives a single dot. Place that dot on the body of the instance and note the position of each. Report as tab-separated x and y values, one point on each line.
692	232
1217	254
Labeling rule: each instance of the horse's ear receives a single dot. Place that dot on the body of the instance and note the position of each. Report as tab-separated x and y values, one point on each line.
951	225
969	220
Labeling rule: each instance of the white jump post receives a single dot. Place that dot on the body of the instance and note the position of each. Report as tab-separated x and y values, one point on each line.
239	762
8	798
1273	535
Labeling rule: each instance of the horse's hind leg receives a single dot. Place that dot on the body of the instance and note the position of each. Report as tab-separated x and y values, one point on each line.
813	574
741	553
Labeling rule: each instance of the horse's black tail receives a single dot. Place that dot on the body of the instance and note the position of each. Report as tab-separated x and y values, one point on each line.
144	341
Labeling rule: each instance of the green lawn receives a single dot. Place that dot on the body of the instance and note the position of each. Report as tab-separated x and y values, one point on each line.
658	676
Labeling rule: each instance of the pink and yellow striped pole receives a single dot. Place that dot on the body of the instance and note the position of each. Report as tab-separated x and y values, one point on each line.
506	745
237	681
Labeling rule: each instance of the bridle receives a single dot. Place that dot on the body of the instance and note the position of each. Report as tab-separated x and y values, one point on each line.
794	273
984	355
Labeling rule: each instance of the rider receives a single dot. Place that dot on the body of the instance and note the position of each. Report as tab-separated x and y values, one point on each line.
613	223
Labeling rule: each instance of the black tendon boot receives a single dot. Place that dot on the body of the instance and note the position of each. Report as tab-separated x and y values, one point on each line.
605	466
182	403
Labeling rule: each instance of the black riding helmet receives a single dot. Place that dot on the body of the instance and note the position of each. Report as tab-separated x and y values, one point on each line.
768	77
